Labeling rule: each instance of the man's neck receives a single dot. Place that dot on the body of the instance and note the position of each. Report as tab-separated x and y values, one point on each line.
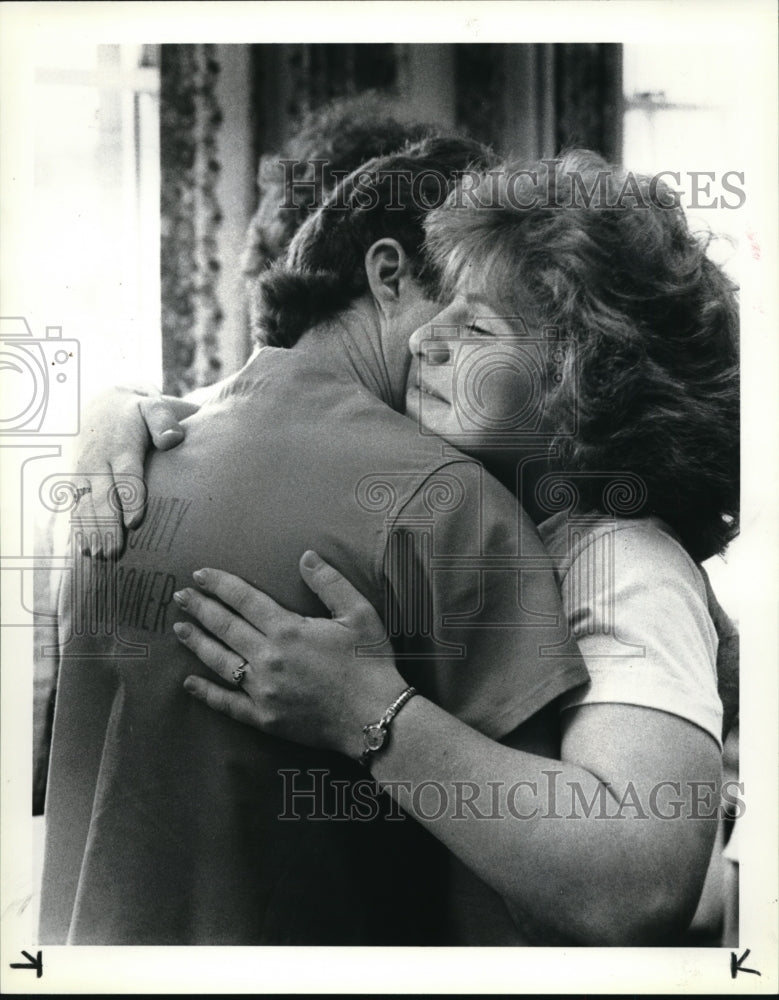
351	343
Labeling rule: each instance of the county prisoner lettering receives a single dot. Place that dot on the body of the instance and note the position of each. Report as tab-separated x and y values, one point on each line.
108	594
163	519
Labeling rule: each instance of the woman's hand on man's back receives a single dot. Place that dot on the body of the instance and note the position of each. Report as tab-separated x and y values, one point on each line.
117	429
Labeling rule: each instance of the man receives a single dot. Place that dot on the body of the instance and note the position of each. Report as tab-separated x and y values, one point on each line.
328	143
163	821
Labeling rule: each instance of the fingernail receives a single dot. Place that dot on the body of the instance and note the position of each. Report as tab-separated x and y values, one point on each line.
311	560
182	629
171	435
190	685
199	576
181	597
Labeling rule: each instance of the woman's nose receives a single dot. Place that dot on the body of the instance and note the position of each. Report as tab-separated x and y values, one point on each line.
432	349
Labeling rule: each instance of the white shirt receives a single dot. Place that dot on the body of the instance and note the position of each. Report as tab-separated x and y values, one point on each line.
637	606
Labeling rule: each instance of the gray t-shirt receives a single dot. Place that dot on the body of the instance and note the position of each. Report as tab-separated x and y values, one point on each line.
171	824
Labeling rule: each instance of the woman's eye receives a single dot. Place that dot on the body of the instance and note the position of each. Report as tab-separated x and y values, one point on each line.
479	330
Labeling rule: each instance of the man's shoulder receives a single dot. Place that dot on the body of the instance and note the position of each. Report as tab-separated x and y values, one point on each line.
295	414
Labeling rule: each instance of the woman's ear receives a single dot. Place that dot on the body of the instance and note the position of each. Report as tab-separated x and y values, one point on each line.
386	266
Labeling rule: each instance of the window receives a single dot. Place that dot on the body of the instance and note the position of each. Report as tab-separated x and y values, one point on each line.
94	256
681	116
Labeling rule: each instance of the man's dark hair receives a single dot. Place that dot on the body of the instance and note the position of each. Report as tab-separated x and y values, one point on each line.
327	144
387	197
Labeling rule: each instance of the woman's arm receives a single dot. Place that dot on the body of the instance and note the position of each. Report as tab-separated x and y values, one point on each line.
607	845
586	848
117	429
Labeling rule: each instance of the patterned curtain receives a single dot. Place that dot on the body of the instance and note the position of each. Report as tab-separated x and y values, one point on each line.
289	80
534	100
588	83
190	216
479	108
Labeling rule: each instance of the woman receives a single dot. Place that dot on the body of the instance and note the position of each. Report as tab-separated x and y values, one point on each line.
636	397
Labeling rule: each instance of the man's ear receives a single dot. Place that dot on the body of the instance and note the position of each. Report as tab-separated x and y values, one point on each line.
387	267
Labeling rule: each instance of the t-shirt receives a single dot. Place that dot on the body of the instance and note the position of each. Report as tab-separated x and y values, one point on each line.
639	608
168	823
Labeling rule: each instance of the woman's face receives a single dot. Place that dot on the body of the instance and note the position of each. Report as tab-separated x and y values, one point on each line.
478	377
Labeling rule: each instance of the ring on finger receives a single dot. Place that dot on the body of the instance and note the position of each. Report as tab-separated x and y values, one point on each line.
240	672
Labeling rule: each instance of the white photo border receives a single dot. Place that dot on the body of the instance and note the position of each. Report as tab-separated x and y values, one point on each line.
750	28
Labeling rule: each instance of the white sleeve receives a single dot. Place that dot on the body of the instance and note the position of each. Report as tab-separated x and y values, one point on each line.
636	604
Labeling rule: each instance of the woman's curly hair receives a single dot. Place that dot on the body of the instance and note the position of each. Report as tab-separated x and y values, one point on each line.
650	384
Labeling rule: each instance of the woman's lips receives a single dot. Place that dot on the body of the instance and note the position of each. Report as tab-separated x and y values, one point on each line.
430	391
418	385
